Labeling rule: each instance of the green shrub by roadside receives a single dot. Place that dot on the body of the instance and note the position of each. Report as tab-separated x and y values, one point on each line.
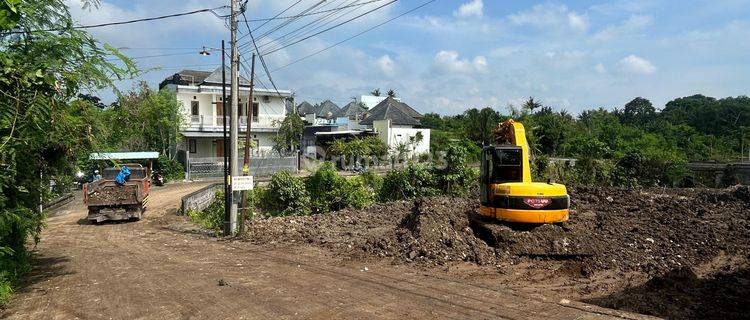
413	181
285	195
170	168
455	178
330	192
212	217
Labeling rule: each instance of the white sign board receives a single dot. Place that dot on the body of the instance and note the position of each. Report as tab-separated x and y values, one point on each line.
241	183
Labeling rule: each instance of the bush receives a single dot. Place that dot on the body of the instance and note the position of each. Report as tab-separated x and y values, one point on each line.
413	181
170	168
365	149
330	191
285	195
212	217
455	178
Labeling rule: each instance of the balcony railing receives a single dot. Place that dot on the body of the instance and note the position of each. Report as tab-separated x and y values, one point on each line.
215	123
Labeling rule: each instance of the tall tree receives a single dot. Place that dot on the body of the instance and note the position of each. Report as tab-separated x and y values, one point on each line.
41	131
290	134
391	93
638	112
375	92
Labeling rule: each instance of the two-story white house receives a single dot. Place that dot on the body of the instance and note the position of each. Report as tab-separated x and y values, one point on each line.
200	93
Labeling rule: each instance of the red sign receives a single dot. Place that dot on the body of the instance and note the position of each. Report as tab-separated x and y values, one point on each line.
537	203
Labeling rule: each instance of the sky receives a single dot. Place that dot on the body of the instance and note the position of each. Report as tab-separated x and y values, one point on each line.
449	56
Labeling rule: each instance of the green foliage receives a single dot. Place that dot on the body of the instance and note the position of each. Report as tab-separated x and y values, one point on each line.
330	192
42	130
212	217
290	134
455	177
170	168
366	148
145	120
413	181
285	195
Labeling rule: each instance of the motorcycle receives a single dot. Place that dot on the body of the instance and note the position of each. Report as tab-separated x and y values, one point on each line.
157	178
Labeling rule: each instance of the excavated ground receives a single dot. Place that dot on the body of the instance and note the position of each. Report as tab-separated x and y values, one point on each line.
675	253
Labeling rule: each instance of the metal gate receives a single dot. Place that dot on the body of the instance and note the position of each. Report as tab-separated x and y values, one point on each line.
259	166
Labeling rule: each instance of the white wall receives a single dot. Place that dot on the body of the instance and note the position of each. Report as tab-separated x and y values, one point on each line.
395	135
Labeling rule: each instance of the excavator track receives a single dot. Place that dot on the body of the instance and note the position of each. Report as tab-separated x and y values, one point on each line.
552	241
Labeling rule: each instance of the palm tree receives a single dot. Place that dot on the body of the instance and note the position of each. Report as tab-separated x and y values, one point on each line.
375	92
392	93
531	104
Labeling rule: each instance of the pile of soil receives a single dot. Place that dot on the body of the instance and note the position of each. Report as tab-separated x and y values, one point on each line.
113	194
684	252
651	231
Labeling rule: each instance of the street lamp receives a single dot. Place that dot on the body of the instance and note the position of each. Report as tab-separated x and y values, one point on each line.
204	52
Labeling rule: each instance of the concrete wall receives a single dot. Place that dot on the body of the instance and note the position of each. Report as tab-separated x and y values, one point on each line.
200	199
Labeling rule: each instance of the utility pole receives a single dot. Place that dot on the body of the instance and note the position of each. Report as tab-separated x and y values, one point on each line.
227	187
246	162
234	95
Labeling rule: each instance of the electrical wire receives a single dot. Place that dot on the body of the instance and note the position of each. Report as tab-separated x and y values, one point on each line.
311	13
332	27
211	10
260	56
283	24
306	30
354	36
160	55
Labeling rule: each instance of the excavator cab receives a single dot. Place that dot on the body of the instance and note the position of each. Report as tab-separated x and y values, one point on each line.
506	190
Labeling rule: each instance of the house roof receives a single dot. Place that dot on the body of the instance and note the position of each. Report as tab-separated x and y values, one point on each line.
353	108
398	112
305	108
325	107
195	77
215	77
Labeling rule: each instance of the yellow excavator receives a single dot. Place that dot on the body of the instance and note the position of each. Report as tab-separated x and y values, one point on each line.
506	190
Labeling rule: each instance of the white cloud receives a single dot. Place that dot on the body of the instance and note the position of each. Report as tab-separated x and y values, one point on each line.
600	69
449	61
385	64
470	9
577	22
550	16
633	64
633	24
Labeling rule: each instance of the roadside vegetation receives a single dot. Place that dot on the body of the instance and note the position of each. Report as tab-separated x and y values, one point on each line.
49	125
632	145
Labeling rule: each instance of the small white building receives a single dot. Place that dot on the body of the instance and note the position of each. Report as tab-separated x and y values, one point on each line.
398	125
200	93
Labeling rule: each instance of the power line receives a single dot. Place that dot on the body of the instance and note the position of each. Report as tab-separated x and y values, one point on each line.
160	55
211	10
283	24
307	31
310	13
260	56
355	35
305	27
332	27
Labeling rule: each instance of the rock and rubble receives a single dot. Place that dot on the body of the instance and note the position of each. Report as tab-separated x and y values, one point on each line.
614	231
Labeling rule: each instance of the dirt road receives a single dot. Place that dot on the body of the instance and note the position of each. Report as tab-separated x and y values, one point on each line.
145	270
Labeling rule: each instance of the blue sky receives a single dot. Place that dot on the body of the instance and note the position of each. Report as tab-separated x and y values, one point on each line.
454	55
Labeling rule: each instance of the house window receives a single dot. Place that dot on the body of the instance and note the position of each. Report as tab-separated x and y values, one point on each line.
194	107
255	112
192	147
266	99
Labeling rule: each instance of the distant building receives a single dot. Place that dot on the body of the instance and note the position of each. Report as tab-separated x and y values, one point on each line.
398	124
371	101
200	93
305	108
354	110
